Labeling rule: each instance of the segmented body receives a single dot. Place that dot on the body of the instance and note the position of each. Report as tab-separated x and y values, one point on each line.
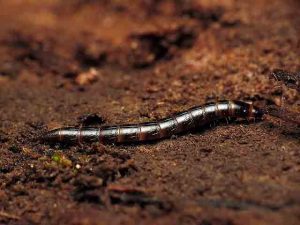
178	123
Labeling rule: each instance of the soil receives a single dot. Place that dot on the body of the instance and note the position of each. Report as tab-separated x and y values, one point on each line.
67	62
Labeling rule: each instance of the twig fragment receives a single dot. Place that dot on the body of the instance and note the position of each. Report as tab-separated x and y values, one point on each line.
9	216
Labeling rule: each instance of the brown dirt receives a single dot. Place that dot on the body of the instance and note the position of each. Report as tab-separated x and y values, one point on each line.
133	61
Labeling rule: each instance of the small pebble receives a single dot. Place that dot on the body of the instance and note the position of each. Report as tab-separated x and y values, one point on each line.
77	166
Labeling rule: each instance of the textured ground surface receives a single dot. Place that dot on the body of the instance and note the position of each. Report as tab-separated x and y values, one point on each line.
137	61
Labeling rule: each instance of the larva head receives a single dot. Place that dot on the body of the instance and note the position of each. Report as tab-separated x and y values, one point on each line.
247	110
256	113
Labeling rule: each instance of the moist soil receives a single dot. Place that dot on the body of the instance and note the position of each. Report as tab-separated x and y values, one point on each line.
66	63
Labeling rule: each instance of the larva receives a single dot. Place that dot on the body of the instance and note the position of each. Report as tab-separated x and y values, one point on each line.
179	123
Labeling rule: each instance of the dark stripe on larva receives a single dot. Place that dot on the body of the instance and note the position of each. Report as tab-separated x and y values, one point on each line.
178	123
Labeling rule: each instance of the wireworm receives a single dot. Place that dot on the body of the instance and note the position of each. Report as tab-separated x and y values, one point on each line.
181	122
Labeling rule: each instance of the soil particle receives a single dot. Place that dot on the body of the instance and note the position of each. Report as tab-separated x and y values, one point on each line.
90	119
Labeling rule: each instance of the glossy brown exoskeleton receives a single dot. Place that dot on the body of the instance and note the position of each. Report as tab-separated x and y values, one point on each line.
178	123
